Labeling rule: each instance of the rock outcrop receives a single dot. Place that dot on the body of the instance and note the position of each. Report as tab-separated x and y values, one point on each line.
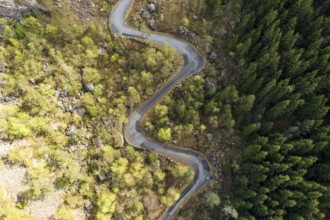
12	9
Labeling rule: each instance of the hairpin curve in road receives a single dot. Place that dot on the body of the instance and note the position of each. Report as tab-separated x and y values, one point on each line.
193	63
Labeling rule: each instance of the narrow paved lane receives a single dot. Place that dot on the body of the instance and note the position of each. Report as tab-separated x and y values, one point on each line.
193	63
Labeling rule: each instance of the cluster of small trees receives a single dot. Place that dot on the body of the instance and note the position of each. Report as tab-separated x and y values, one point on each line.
147	68
192	110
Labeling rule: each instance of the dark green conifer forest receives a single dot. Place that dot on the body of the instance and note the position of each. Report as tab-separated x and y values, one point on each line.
283	47
275	102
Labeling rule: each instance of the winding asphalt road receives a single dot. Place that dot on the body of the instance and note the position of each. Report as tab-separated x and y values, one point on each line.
193	63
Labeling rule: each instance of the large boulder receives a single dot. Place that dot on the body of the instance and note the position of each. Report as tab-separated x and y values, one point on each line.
12	9
151	7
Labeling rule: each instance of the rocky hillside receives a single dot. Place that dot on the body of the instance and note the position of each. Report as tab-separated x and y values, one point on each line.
14	9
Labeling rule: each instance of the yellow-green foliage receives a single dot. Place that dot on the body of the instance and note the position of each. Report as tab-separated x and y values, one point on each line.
55	68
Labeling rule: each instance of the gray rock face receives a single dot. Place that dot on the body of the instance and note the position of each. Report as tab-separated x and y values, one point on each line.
11	9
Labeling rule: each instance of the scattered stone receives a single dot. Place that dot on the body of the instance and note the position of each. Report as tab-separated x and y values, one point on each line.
101	178
56	125
222	155
65	102
231	24
209	136
73	148
45	67
71	131
152	24
103	44
2	28
107	121
141	10
208	86
110	94
183	31
158	163
83	148
151	7
3	67
98	142
88	206
101	52
213	56
191	35
80	111
89	87
63	94
32	81
161	17
145	15
9	99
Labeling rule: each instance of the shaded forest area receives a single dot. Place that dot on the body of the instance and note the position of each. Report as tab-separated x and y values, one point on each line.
284	48
272	105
